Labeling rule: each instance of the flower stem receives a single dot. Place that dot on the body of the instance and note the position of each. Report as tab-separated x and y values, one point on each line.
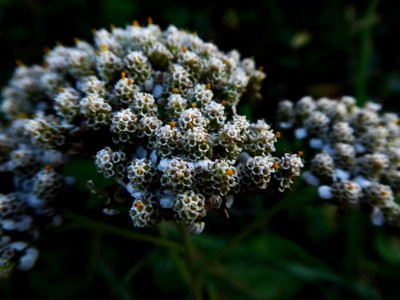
190	254
88	223
259	221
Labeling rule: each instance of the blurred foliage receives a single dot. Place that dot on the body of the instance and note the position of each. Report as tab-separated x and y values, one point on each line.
293	247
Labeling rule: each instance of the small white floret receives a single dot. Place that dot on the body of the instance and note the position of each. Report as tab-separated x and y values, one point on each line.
153	157
300	133
285	125
244	157
325	192
328	149
203	164
377	217
362	181
24	224
167	202
342	174
195	228
229	200
149	85
373	106
8	224
316	143
310	178
158	91
19	246
133	190
163	164
359	148
34	201
110	212
27	261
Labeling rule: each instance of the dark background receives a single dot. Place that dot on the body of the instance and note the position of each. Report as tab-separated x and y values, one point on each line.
322	48
306	47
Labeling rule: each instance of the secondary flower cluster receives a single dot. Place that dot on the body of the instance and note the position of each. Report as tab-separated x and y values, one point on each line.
356	153
30	185
157	110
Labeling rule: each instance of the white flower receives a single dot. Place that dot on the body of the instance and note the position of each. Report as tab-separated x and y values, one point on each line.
27	261
8	224
163	164
300	133
325	192
310	178
341	174
377	217
362	181
316	143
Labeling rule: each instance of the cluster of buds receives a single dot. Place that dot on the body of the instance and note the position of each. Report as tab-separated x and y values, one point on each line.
157	111
31	186
356	153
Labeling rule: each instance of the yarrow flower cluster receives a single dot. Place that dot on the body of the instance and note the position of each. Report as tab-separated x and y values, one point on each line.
31	185
356	153
157	111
